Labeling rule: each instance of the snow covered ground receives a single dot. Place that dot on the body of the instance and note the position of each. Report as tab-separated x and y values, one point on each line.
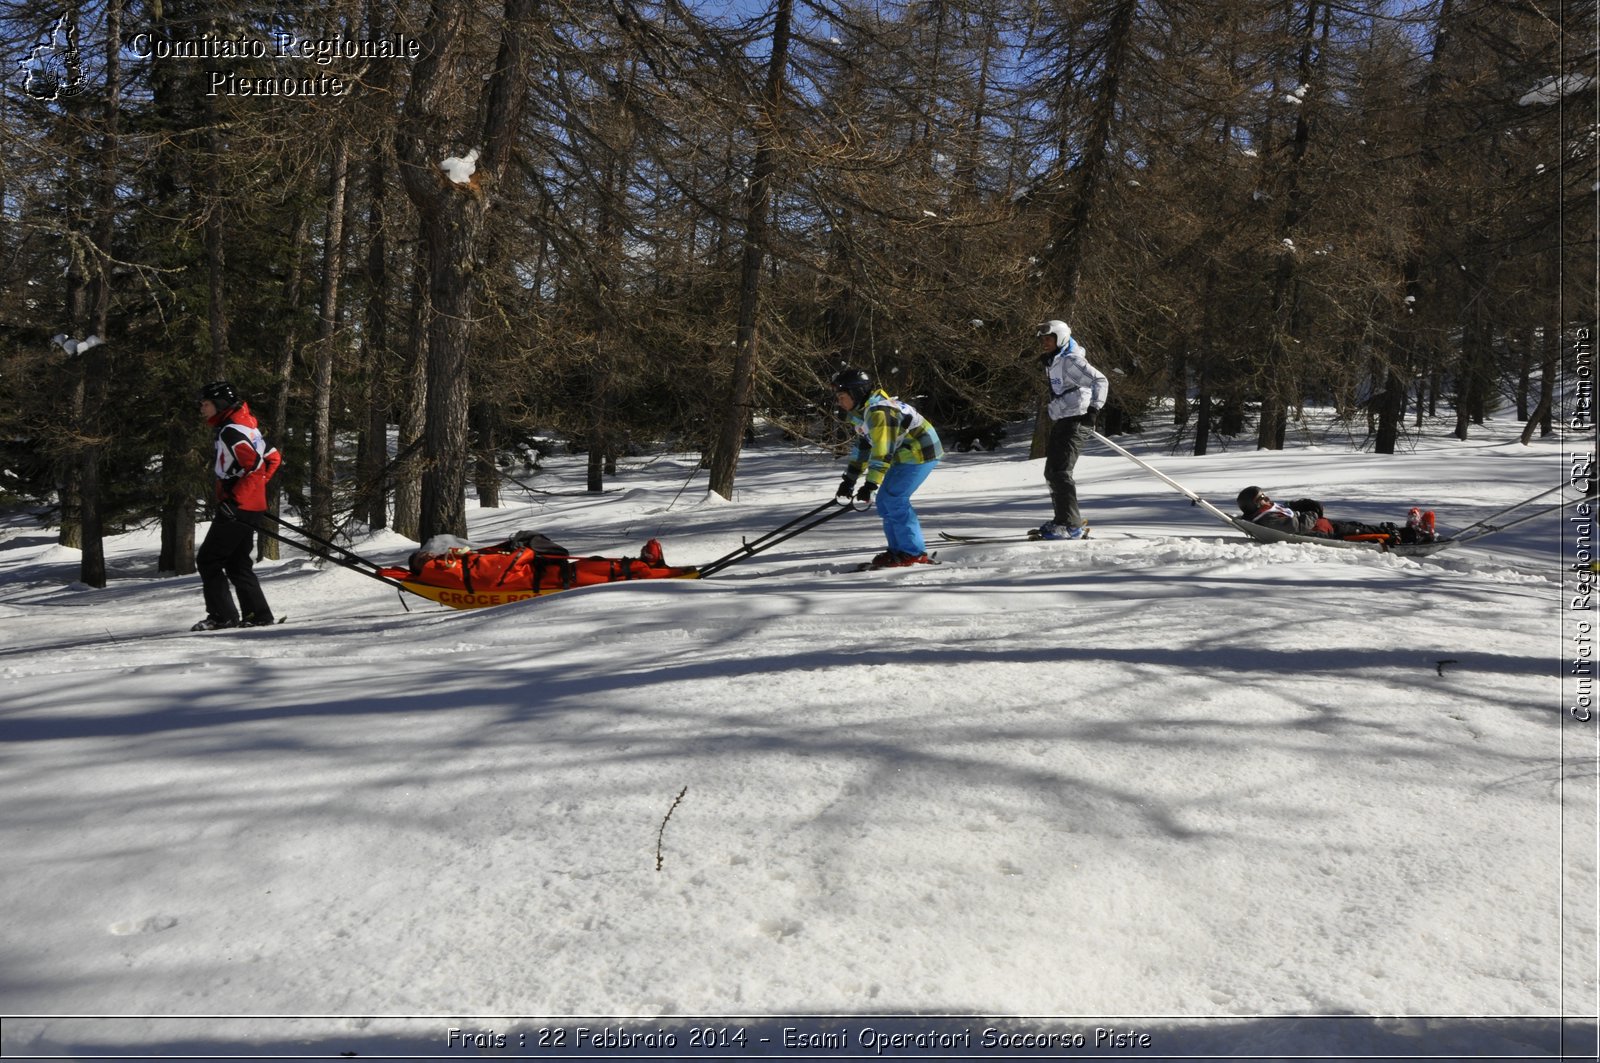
1167	781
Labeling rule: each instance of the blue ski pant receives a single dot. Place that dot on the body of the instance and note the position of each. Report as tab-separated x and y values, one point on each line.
900	525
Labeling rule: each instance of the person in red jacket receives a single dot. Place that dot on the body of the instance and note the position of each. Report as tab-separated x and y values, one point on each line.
242	465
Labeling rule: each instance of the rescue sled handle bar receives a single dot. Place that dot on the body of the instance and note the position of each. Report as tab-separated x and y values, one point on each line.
330	551
1491	529
776	536
327	545
1508	509
1158	474
780	529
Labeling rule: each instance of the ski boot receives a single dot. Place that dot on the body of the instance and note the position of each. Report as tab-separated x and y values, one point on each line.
1051	530
1419	526
896	559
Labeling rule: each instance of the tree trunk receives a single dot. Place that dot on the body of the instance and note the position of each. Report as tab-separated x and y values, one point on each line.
607	264
1391	408
1469	373
1069	239
70	491
599	414
184	464
1280	375
452	245
453	214
214	230
1407	346
1547	381
485	474
277	427
328	322
375	338
412	414
729	437
177	496
92	564
1180	380
1206	355
1524	372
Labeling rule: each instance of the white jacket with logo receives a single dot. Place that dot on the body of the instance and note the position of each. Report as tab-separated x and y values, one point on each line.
1075	385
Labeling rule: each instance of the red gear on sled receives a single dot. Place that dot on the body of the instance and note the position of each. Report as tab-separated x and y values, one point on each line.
512	571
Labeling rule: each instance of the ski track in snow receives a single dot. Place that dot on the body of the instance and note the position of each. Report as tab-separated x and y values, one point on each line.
1165	771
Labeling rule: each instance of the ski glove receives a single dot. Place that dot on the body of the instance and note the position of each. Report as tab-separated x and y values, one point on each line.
847	487
1306	505
1093	417
865	494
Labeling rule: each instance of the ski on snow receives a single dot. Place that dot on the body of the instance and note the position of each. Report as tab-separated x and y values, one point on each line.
236	629
868	566
1030	536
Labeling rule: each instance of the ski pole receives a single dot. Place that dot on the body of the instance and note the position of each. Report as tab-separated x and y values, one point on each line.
1158	474
773	537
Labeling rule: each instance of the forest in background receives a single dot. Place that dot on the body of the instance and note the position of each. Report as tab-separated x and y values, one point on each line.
684	217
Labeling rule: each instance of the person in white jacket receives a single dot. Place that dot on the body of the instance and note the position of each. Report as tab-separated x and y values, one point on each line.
1077	392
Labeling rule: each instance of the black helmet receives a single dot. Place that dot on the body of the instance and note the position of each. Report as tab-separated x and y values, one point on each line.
853	382
1247	499
221	394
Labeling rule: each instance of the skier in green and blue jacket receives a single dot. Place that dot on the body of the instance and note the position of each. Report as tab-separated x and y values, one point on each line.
896	448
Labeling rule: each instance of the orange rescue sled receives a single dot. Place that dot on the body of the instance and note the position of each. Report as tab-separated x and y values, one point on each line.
526	566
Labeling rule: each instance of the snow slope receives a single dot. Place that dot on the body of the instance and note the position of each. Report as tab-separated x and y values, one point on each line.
1167	781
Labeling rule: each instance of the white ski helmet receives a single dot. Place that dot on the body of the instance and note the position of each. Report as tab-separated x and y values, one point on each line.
1059	329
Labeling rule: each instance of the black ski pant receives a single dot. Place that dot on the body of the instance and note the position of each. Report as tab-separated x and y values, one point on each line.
1060	458
224	559
1343	529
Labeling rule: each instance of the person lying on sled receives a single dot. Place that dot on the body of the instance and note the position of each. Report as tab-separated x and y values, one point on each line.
1304	516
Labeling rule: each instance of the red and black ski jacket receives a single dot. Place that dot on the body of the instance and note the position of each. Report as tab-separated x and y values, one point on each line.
244	462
